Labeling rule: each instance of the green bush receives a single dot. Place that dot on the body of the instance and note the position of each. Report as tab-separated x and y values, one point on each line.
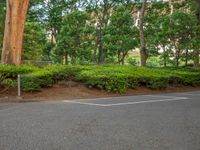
37	80
30	84
47	76
158	82
112	78
188	78
119	78
116	78
109	82
10	71
8	83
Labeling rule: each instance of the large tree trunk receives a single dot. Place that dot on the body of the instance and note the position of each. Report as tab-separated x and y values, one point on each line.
143	50
14	30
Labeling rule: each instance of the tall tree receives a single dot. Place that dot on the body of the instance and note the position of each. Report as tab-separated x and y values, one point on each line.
196	52
121	36
74	39
14	30
143	50
2	21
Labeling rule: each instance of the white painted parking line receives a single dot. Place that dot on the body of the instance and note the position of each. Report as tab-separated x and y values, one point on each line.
121	97
191	94
128	103
162	96
84	103
150	101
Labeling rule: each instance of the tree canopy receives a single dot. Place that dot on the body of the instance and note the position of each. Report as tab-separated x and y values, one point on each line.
107	31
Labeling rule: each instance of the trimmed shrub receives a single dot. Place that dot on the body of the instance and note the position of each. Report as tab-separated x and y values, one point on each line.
47	76
10	71
8	83
112	78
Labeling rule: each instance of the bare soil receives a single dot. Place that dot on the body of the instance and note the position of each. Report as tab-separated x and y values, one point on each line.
80	91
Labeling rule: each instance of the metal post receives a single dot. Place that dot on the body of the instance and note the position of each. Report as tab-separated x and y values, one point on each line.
19	85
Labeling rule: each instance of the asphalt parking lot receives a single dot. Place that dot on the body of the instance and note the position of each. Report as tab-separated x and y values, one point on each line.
148	122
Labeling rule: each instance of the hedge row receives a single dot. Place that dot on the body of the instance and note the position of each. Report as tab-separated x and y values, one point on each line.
120	78
47	76
9	71
112	78
8	74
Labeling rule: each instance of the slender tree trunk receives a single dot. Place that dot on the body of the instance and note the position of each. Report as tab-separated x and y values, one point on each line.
103	25
118	57
100	46
165	56
66	59
171	7
95	55
101	52
177	57
143	50
96	46
196	58
123	57
197	51
94	58
198	10
186	58
73	58
14	30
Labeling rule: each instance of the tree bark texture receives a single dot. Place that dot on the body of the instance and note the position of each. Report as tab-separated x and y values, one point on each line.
16	12
196	58
143	50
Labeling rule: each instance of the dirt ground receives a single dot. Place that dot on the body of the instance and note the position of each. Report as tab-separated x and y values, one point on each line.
59	92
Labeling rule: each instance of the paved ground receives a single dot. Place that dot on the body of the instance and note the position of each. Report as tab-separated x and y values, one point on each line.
151	122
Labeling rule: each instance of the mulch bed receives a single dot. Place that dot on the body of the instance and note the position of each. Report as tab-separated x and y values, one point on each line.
80	91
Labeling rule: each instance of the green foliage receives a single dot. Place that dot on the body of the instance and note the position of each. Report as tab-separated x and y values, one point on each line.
104	78
2	23
34	41
47	76
120	78
8	83
79	32
173	36
90	31
121	34
133	60
36	80
75	38
112	78
154	62
12	71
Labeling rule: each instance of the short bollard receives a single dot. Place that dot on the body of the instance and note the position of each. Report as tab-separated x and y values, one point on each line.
19	86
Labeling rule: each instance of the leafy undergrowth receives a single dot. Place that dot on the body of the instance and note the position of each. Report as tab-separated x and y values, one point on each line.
112	78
